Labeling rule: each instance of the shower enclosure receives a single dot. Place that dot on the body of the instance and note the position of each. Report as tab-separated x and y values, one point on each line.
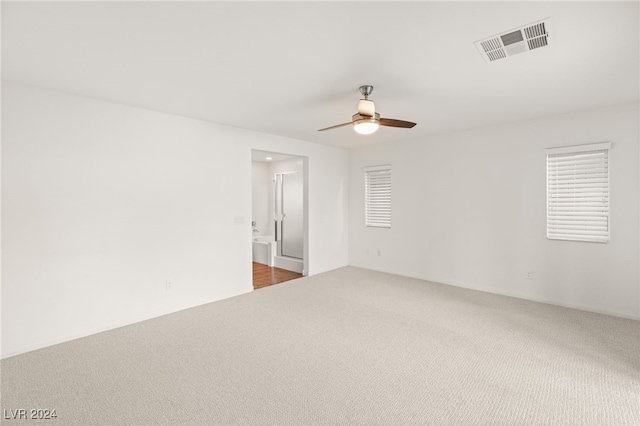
289	214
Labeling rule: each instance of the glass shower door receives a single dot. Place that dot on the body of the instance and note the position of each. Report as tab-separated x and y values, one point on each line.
289	202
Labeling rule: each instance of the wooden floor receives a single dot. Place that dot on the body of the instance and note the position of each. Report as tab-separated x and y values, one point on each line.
264	276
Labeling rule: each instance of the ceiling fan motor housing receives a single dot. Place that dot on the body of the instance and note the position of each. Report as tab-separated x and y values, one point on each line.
366	108
359	118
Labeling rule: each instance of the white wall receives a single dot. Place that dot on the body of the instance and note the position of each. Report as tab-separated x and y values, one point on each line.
102	203
468	209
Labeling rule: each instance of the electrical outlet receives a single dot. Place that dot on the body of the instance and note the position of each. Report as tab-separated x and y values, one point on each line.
379	252
529	275
168	285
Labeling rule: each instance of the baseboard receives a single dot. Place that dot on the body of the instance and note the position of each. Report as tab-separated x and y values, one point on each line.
563	304
129	321
493	290
290	264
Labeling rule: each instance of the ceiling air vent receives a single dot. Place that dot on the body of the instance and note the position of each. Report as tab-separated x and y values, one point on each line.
520	40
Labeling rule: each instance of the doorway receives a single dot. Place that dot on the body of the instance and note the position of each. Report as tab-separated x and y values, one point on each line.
279	217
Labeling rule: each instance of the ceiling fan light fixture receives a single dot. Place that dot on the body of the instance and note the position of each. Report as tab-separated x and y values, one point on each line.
366	125
366	128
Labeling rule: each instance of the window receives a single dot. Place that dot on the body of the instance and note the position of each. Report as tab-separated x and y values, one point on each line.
578	193
377	182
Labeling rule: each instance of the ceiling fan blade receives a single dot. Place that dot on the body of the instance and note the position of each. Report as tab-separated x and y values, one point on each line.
366	108
336	126
390	122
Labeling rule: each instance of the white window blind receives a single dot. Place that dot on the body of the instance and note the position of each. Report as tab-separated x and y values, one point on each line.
578	193
377	182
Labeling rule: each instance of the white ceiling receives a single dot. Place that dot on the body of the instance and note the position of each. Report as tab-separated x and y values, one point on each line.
290	68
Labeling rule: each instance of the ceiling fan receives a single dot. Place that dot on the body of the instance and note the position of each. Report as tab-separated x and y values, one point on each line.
367	120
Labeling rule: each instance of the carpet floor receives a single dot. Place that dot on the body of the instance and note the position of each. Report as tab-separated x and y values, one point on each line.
350	346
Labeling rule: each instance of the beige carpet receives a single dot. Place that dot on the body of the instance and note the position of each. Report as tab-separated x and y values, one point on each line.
349	346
